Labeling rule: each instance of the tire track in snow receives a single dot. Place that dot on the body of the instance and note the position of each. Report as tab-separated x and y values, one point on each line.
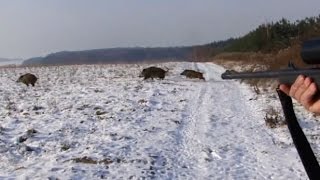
187	137
218	139
238	135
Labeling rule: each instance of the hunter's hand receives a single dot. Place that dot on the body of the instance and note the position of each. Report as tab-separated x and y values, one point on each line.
305	91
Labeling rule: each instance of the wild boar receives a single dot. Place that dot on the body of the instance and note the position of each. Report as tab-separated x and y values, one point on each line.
28	79
192	74
153	72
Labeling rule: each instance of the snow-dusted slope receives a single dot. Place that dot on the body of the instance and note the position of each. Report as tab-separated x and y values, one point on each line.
103	121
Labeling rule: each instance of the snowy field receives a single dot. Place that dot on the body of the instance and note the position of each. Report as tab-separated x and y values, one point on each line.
104	122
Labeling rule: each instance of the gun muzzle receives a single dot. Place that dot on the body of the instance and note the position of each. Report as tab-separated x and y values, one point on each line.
310	51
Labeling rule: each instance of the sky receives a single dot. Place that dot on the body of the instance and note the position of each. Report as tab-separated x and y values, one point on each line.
30	28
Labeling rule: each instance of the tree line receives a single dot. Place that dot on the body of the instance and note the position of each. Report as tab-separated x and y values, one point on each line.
266	38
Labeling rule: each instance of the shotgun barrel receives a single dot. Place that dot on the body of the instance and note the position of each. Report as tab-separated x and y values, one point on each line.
285	76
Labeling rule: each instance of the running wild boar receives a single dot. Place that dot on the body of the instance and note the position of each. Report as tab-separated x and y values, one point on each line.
28	79
153	72
192	74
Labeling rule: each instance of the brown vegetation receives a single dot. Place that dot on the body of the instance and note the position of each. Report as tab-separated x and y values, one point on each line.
89	160
273	118
257	61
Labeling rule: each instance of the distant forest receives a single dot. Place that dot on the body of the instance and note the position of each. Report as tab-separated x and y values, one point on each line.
267	38
113	56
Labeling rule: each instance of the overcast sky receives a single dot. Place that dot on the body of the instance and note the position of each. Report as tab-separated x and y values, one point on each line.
31	28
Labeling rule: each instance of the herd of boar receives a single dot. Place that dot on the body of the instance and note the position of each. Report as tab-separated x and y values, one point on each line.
150	72
155	72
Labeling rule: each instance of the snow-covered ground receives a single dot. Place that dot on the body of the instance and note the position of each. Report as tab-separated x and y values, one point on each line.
103	121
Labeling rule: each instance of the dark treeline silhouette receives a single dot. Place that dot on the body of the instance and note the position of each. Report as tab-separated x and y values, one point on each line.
268	37
211	49
114	55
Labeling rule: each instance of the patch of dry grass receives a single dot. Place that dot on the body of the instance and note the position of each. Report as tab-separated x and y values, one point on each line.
257	61
273	119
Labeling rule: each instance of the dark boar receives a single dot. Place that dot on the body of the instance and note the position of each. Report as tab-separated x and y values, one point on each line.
153	72
192	74
28	79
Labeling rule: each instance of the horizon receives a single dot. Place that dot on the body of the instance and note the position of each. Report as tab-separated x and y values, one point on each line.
39	28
